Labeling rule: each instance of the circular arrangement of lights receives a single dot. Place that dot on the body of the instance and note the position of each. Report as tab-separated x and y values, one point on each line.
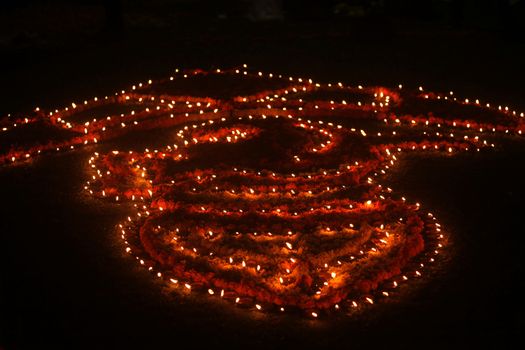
270	199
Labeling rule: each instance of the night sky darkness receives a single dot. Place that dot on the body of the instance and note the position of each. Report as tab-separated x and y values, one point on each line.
64	281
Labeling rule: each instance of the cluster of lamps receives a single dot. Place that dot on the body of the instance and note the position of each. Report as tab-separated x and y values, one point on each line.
314	233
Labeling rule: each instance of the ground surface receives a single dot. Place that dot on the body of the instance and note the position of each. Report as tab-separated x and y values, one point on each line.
65	282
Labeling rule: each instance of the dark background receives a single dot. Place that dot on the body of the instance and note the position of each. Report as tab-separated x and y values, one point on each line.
63	281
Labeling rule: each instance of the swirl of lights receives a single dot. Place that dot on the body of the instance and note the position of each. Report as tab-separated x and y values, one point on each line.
271	199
